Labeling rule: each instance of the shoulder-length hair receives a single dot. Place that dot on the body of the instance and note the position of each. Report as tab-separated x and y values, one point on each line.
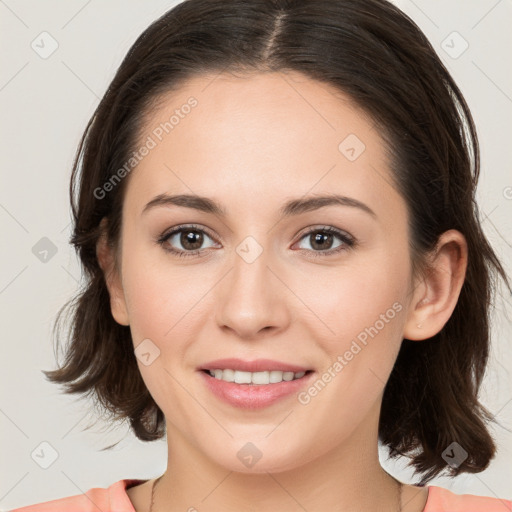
375	54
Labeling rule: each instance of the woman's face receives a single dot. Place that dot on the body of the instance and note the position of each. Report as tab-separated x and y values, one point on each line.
260	286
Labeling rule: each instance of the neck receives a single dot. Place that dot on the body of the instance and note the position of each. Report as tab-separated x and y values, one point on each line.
347	478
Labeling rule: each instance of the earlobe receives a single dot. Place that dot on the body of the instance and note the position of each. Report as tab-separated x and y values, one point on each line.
106	261
417	326
436	296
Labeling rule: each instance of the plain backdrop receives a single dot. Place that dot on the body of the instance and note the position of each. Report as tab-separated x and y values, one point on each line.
46	100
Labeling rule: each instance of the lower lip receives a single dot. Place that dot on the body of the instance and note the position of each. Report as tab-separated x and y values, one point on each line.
253	396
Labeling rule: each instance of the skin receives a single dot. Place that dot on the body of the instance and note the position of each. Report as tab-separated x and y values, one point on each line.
273	136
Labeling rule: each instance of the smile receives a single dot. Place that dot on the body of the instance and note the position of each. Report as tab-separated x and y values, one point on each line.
254	390
257	378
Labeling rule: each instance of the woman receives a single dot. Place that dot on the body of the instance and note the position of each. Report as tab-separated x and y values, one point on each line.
276	215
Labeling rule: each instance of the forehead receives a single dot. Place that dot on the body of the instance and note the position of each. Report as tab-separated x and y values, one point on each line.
271	136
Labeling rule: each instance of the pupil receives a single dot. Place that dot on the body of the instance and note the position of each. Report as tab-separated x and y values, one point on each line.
320	239
191	237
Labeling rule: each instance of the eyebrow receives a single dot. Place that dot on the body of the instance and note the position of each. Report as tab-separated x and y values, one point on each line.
290	208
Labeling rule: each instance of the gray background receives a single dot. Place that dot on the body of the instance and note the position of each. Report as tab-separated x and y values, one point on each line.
45	104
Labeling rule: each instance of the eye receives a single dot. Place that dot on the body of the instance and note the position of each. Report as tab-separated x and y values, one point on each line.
191	239
321	239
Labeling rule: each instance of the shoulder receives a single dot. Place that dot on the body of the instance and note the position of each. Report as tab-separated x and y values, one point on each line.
110	499
443	500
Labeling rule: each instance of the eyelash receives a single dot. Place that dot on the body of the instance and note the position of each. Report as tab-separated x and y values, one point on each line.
348	241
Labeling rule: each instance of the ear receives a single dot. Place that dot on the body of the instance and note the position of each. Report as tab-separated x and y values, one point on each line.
436	295
106	260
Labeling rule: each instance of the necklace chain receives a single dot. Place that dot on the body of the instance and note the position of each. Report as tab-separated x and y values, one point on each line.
399	489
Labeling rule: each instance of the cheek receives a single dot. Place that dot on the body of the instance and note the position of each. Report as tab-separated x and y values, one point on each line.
363	306
159	294
148	304
354	296
162	314
160	303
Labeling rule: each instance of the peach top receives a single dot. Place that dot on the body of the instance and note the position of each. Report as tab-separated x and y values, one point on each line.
115	499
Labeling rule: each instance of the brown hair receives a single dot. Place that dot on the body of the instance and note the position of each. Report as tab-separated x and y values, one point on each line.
371	51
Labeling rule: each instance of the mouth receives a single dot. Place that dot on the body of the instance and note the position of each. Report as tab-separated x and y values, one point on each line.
254	384
260	378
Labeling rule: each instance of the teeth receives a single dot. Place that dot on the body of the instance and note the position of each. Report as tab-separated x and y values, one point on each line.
242	377
266	377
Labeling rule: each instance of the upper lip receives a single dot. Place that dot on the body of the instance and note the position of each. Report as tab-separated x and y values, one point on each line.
258	365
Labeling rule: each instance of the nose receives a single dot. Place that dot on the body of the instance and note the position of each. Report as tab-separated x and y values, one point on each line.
251	299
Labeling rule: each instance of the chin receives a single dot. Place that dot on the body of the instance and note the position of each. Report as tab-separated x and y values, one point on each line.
252	458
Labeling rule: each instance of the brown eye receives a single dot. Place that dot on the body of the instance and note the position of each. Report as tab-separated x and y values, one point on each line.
321	241
185	241
191	239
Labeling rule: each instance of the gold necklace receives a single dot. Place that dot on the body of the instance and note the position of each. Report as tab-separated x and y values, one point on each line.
399	492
